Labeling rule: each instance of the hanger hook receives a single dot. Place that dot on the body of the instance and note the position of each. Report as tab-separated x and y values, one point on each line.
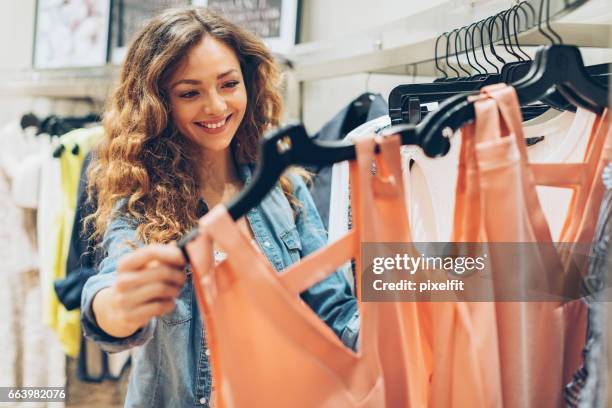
506	34
482	44
458	50
553	32
533	13
436	56
473	48
513	32
492	40
466	50
517	29
447	35
541	12
473	43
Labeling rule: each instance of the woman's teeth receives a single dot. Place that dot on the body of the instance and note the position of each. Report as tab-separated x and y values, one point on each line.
213	125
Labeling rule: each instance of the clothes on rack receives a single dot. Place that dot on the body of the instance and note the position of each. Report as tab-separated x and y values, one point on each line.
587	388
83	255
336	129
32	356
65	323
339	216
40	191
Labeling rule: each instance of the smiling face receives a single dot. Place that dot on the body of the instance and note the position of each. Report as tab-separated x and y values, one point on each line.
207	95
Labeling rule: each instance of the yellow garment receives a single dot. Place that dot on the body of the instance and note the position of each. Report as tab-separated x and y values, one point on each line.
66	324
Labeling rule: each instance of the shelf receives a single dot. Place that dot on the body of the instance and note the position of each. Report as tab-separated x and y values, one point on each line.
381	50
83	83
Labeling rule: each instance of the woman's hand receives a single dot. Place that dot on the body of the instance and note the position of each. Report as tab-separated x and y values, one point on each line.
148	282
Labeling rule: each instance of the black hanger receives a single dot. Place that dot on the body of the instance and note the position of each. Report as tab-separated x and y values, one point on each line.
29	120
448	65
400	96
357	113
582	82
481	74
555	67
457	51
561	67
439	90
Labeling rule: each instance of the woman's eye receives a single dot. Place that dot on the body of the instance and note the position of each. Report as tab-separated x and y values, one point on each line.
189	94
230	84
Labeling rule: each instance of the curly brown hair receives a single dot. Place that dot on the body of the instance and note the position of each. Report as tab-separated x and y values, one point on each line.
143	159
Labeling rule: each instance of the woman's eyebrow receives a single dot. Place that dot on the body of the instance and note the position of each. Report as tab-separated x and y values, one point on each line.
185	81
226	73
196	82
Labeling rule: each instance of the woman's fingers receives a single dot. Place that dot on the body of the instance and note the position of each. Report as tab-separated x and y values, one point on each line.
140	315
140	258
130	280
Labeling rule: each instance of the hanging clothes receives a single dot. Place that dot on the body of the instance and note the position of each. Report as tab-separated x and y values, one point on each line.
66	324
82	254
339	217
587	388
544	333
336	129
31	355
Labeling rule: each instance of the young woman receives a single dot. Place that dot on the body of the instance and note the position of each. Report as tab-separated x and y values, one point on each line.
195	95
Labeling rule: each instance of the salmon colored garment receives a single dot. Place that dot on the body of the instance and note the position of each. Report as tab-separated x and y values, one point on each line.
268	349
539	342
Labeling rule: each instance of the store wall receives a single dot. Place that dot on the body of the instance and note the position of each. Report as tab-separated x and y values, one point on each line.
16	39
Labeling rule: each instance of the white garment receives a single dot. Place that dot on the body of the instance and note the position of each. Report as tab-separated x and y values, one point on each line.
49	200
339	197
565	140
430	191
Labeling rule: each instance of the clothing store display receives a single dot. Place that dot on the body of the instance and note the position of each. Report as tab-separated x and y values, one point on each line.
336	129
175	337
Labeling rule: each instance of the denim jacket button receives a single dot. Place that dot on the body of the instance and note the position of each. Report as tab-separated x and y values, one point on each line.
207	352
267	244
202	400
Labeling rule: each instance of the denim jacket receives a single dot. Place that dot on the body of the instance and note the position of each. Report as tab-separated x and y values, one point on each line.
171	369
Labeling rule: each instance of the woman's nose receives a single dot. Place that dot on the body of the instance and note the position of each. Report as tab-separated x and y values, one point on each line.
214	105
